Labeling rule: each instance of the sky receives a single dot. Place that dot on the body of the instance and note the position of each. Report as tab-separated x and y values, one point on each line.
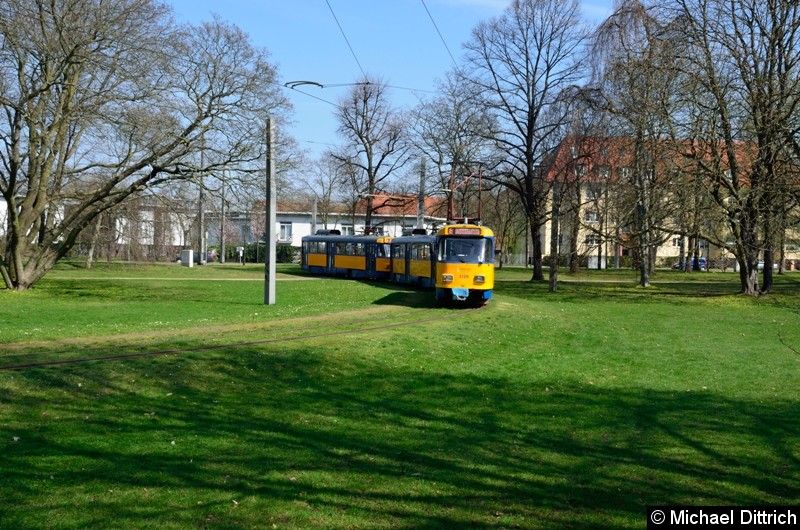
394	40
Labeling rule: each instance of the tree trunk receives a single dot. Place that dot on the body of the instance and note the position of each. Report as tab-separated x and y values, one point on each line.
748	274
574	257
6	277
93	242
644	268
769	261
554	229
748	253
536	233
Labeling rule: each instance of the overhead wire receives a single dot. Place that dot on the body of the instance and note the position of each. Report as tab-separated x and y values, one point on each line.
446	47
345	38
313	96
355	57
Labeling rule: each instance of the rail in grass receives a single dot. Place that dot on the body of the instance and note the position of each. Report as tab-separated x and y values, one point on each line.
457	261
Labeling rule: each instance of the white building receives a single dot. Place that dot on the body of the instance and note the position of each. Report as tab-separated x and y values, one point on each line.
392	216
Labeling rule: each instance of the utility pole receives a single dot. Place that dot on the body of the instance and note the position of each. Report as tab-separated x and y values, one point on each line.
421	201
269	257
314	216
222	223
201	214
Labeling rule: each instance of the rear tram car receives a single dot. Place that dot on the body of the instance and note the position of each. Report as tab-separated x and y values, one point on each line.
352	256
458	262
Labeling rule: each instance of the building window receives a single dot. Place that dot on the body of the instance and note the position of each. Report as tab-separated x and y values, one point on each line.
626	172
591	216
285	232
677	242
603	172
592	194
592	240
580	170
347	230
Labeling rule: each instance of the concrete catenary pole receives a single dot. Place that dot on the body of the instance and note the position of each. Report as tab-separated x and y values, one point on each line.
421	196
269	258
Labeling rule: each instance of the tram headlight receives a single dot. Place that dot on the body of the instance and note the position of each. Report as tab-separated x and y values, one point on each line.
447	278
480	279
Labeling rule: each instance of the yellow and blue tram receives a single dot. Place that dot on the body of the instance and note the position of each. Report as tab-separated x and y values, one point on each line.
458	261
352	256
464	263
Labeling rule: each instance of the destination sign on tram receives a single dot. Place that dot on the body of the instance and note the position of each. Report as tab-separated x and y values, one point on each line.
464	231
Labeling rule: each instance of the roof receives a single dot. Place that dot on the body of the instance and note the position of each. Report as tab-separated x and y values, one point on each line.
383	204
403	205
600	157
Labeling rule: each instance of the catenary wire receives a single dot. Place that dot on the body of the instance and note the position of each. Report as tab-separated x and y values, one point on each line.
345	38
440	33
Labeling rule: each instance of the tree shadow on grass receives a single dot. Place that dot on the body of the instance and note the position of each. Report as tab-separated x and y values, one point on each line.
673	291
299	441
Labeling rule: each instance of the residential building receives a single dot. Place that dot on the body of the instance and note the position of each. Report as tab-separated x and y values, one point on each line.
595	206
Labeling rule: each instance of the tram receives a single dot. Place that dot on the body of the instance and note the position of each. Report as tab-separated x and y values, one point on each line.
457	261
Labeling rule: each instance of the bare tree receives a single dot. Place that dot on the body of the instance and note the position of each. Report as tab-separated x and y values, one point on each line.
521	63
375	146
635	52
103	99
743	92
322	183
452	130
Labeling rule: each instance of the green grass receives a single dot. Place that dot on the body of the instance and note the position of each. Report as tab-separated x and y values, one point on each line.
569	410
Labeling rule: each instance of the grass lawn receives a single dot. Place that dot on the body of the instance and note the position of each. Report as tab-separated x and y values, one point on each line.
569	410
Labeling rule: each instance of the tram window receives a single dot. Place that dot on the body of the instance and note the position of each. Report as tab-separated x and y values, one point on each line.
316	247
383	250
420	251
488	251
464	250
350	249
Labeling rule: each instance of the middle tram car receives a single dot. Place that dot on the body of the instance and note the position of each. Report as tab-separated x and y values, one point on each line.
458	262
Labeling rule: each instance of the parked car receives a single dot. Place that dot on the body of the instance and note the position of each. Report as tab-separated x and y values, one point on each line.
703	264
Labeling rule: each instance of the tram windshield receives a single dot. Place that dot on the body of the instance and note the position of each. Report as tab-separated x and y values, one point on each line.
466	250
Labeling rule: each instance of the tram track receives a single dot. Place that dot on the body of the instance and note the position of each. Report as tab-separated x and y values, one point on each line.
261	327
351	327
